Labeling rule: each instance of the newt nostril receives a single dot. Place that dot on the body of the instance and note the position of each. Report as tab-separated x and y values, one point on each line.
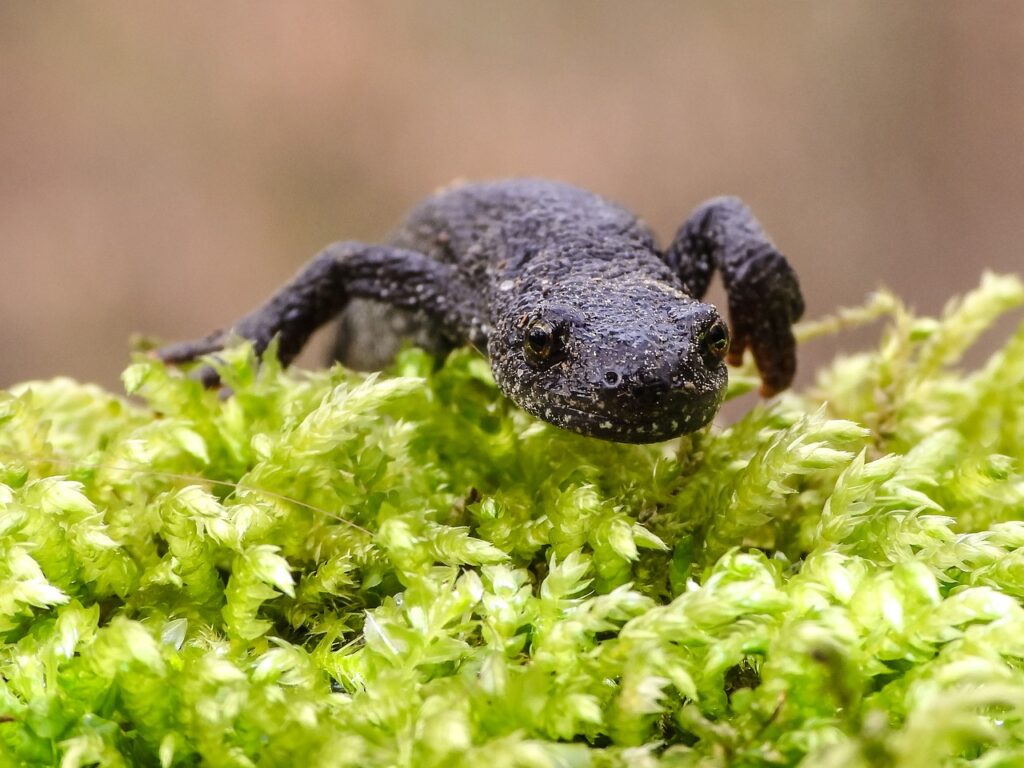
612	379
648	387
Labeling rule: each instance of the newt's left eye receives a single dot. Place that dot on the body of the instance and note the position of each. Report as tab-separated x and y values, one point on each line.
542	343
715	342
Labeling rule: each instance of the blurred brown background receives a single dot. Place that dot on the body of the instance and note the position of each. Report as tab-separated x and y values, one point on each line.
165	165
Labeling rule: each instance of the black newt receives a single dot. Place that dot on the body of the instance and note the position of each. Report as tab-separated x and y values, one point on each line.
587	323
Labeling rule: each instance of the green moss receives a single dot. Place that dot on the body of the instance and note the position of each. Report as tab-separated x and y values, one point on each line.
405	570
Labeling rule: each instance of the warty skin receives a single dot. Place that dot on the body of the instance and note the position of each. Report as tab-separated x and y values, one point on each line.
587	324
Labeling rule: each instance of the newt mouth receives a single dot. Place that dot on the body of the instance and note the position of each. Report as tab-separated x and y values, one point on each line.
677	413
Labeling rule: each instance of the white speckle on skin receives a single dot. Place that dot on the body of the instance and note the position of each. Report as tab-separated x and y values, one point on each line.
507	285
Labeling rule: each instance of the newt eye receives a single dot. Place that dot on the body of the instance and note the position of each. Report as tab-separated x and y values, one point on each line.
542	343
715	342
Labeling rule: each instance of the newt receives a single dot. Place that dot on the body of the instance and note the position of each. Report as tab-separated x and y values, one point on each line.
587	323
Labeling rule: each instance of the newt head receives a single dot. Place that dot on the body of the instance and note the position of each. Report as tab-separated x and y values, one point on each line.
627	360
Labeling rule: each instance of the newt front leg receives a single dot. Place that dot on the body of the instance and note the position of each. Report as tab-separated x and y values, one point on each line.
341	272
763	291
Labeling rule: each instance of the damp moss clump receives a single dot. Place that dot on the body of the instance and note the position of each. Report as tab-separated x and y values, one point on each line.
404	570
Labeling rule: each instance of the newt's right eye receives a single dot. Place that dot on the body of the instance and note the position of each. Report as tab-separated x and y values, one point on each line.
542	343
